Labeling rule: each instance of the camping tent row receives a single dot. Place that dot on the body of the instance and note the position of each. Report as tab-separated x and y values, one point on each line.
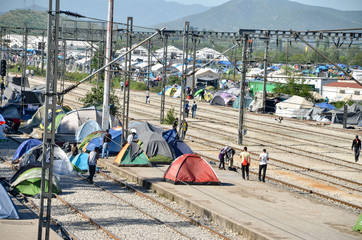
69	122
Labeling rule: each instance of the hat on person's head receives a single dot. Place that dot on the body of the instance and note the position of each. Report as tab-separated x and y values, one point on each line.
133	130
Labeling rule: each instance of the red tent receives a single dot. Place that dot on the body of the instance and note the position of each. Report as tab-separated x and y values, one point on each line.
190	169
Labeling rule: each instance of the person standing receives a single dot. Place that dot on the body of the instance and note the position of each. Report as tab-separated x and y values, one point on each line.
356	146
121	86
175	123
75	150
148	96
27	72
32	73
194	107
130	137
264	157
245	162
222	157
18	68
107	138
92	163
230	157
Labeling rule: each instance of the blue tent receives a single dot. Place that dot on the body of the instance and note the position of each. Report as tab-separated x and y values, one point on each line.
80	162
86	129
180	148
25	146
326	105
227	63
114	146
169	135
7	207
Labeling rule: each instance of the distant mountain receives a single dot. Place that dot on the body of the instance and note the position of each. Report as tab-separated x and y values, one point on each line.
24	18
144	12
269	14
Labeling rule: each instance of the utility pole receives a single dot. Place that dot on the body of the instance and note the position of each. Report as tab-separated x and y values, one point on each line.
286	59
265	72
194	39
107	77
64	70
50	104
127	77
25	52
148	63
184	76
42	53
164	76
242	91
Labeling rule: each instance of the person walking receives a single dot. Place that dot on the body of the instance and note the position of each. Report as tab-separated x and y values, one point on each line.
92	163
175	123
27	72
18	68
184	127
32	73
245	162
356	146
148	96
187	108
193	108
222	157
107	138
121	86
263	157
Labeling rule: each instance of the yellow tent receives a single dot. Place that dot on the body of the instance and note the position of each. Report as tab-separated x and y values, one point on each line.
170	92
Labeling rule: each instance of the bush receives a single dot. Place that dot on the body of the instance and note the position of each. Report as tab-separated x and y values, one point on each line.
75	76
170	118
340	104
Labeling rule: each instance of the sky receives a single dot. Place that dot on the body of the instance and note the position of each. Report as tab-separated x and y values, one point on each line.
346	5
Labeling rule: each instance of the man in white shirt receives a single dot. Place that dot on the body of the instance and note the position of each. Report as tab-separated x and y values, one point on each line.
131	136
264	157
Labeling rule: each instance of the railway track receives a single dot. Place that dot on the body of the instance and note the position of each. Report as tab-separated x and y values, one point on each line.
173	222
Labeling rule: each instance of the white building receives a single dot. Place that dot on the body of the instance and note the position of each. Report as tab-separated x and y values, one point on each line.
346	90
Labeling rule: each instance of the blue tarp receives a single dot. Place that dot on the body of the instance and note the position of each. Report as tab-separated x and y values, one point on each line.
25	146
169	135
180	148
326	105
7	207
227	63
114	146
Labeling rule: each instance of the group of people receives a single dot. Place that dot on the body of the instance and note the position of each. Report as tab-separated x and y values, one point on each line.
227	154
193	109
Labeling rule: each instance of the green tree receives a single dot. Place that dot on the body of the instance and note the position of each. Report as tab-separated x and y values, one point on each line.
294	88
95	98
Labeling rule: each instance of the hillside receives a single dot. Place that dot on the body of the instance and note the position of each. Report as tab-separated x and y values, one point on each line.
24	18
269	14
144	12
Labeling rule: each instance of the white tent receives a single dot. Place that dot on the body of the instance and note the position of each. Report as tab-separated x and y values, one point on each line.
295	107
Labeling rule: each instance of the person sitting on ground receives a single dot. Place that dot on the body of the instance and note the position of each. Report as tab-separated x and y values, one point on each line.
75	150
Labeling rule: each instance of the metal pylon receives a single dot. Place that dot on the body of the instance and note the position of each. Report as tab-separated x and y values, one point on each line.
50	104
164	76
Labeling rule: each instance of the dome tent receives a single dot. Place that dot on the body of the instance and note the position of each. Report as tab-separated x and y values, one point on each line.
61	164
25	146
132	155
190	169
85	129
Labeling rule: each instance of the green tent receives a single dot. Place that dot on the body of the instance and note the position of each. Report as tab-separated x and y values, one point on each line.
198	92
58	118
29	182
90	137
132	155
358	226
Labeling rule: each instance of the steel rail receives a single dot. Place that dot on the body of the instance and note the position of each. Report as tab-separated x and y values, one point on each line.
132	205
299	188
163	205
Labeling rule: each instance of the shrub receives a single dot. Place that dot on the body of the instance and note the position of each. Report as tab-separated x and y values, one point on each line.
170	118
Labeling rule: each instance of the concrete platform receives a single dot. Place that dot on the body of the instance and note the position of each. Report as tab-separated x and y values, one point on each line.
24	228
255	209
